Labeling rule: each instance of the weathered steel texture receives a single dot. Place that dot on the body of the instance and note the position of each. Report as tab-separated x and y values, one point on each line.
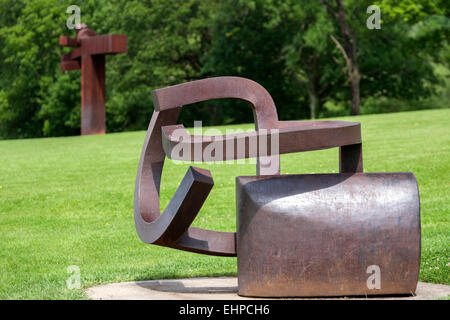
350	158
89	56
306	136
316	234
187	201
295	136
298	235
264	110
93	116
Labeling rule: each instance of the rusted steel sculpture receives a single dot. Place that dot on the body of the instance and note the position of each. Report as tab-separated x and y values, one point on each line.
297	235
89	56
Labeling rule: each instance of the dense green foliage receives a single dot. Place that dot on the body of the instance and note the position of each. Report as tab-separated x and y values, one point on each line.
69	201
284	45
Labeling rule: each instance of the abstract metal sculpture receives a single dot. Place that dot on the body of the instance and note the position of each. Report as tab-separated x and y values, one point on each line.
89	56
297	235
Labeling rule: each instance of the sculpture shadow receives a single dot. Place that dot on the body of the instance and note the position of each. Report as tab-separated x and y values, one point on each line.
177	286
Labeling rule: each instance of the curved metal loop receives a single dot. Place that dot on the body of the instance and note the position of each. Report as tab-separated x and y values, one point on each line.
296	137
171	229
218	88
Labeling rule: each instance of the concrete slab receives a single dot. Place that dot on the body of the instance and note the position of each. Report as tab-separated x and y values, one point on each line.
218	288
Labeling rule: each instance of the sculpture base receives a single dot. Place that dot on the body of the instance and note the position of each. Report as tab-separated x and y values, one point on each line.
221	288
312	235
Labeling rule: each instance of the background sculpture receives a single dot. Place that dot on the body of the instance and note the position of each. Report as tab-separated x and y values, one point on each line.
89	56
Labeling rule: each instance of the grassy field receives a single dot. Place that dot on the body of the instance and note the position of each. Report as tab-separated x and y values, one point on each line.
69	201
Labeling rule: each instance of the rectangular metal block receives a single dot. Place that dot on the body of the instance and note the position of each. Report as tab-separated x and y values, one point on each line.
342	234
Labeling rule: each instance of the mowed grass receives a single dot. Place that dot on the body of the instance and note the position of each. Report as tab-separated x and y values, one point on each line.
69	201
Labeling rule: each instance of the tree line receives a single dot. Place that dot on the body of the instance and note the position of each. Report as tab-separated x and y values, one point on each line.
316	58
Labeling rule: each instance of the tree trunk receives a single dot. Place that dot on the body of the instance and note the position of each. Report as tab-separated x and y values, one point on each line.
313	101
349	51
355	92
213	114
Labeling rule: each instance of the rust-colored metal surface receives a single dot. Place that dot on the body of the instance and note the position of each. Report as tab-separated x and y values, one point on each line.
297	235
89	56
317	234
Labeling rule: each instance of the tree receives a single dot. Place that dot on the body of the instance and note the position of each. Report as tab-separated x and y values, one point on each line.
427	21
297	49
349	50
29	42
248	38
308	55
166	41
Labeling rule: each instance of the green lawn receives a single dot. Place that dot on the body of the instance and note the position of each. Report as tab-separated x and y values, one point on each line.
69	201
